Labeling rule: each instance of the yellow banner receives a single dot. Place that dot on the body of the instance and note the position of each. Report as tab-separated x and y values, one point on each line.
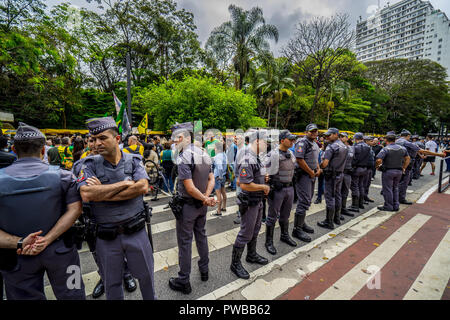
142	128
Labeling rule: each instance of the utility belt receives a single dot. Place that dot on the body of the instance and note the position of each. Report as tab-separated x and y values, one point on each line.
177	202
348	171
276	186
130	227
75	235
248	200
384	169
331	174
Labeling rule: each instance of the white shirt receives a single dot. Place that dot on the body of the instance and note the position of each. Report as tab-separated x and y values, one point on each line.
432	146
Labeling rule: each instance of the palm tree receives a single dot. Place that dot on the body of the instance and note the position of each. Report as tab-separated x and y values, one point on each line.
245	36
274	83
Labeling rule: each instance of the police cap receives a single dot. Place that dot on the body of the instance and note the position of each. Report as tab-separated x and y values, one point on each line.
390	134
343	134
26	132
405	133
331	131
286	134
358	136
98	125
311	127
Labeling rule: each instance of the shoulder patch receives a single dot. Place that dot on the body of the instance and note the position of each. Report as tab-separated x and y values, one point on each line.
81	176
243	172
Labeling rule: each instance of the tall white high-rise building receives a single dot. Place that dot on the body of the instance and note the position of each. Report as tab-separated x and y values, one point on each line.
409	29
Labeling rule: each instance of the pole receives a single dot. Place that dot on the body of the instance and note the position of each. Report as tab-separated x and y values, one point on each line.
129	89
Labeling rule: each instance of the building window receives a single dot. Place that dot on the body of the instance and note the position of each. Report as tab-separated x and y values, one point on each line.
439	59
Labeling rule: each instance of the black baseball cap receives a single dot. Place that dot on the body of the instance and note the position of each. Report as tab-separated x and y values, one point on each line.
331	131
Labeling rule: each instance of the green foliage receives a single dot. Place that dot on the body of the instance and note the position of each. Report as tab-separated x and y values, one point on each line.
350	115
196	98
243	37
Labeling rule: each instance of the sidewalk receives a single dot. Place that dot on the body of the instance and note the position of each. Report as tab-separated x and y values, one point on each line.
406	257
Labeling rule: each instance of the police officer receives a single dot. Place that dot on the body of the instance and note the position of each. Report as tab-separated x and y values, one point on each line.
128	280
307	156
361	159
419	158
333	164
347	180
195	184
392	160
114	183
38	204
251	180
413	150
370	167
280	166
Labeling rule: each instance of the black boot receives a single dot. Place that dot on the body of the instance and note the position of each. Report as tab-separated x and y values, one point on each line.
236	265
366	198
361	202
98	290
307	228
355	204
269	240
284	237
298	230
337	216
185	288
344	210
318	200
252	256
328	222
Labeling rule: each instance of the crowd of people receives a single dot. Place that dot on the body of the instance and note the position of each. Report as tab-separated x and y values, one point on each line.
48	184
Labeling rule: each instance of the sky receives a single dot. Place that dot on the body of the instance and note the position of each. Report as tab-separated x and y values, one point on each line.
284	14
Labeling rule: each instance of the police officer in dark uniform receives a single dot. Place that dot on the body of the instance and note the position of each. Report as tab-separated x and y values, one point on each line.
361	159
251	180
347	180
195	184
392	160
413	150
370	167
280	167
419	158
114	182
333	164
128	280
38	204
307	170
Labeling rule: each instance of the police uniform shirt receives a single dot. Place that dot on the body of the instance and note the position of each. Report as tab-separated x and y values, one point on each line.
349	160
30	167
309	151
272	160
383	153
186	160
410	147
88	170
250	170
335	155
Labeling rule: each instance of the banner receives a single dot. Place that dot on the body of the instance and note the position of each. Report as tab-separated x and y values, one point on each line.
143	125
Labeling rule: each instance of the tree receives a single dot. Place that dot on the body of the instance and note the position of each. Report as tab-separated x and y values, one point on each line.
274	83
196	98
16	13
316	48
245	36
417	90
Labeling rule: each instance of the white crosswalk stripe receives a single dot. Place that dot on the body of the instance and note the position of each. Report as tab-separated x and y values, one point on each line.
354	280
431	282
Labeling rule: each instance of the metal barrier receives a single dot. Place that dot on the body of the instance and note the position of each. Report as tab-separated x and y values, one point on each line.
442	178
